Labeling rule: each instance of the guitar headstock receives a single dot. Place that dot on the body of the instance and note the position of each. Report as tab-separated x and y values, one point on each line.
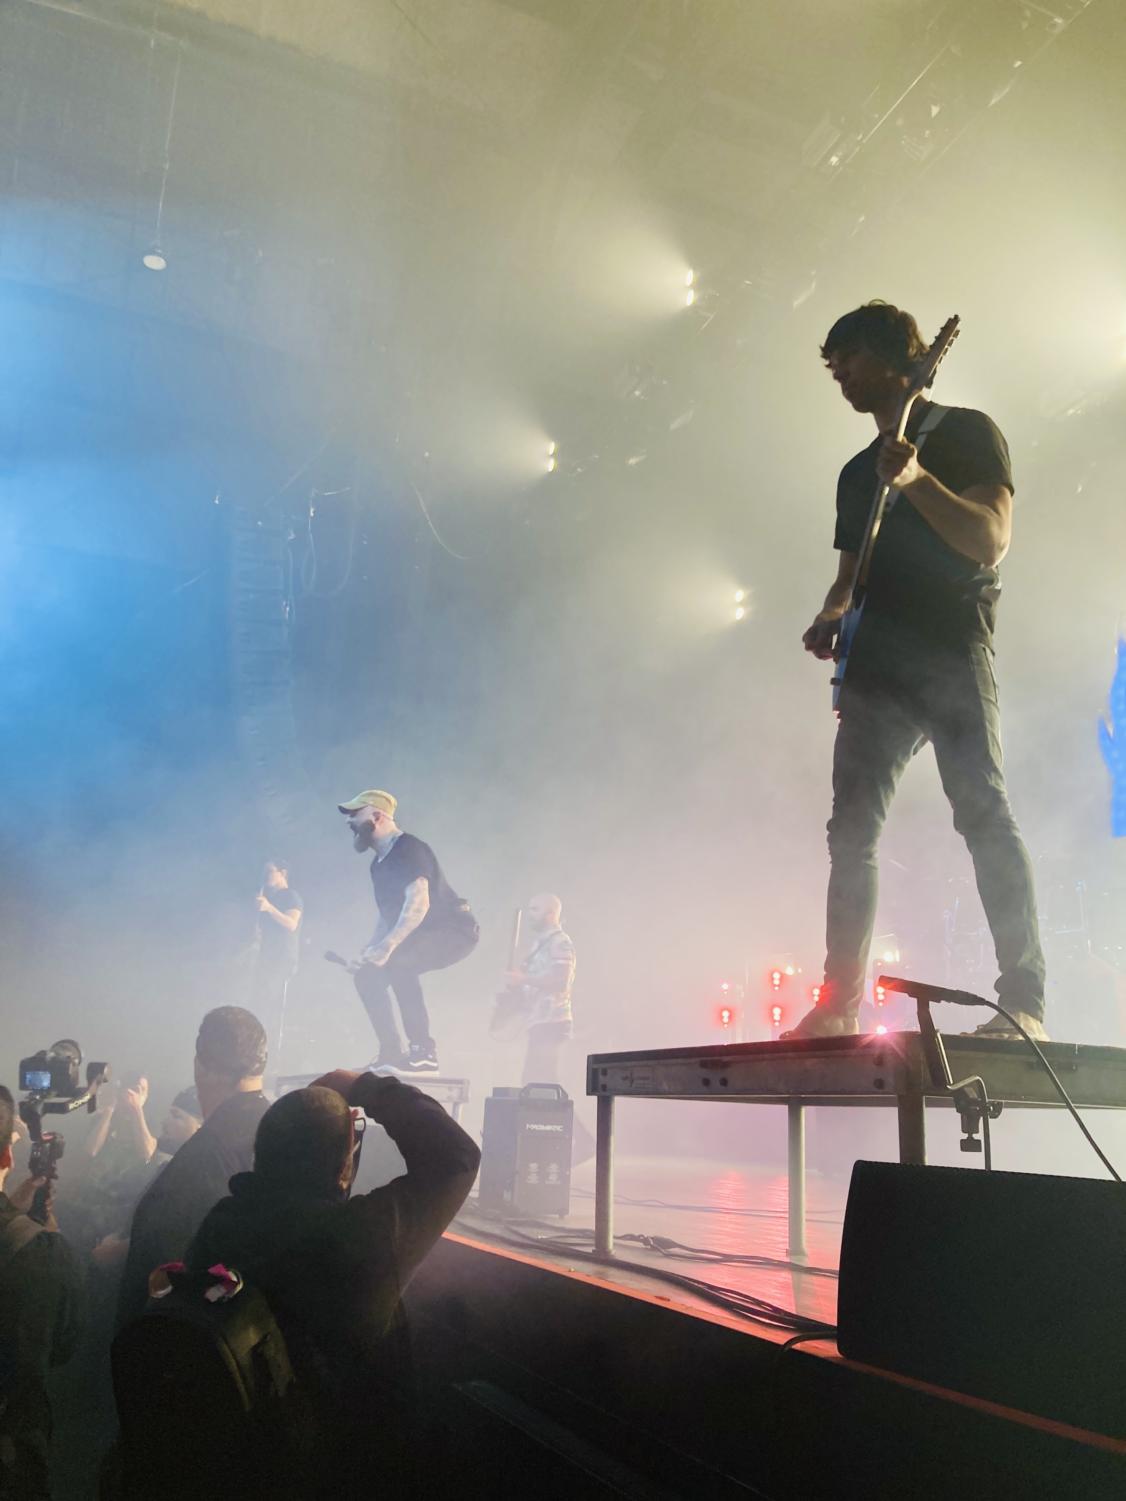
927	367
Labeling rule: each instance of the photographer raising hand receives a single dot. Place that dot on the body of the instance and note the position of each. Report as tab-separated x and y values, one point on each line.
332	1268
40	1320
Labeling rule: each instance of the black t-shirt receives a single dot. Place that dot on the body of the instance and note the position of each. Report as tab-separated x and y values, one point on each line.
918	584
407	860
172	1208
278	943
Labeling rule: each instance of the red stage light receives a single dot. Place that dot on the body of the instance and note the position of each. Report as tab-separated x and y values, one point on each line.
881	995
882	1030
816	994
726	1016
776	1015
776	978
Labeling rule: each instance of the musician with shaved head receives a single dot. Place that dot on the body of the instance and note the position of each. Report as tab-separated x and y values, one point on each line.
544	981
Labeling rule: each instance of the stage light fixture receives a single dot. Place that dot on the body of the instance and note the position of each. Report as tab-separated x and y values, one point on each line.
816	994
881	995
776	1016
690	297
689	278
153	260
881	1030
776	979
726	1016
740	612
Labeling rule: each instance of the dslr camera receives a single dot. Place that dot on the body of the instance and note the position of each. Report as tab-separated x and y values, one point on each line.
51	1083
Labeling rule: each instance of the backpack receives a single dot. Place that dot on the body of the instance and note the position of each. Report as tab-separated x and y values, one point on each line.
206	1396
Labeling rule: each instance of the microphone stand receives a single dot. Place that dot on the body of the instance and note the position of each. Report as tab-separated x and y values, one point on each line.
970	1096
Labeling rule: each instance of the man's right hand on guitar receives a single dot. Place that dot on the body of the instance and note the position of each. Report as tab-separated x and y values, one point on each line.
821	638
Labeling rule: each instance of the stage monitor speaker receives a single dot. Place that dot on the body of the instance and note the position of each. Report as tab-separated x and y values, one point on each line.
1006	1286
526	1151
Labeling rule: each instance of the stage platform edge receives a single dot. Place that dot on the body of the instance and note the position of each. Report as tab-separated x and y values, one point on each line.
548	1373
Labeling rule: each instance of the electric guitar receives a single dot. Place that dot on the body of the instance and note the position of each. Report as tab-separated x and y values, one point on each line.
921	379
510	1013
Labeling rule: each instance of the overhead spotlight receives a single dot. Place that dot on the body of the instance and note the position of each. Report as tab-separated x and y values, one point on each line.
740	596
154	260
551	464
740	612
690	297
551	448
690	278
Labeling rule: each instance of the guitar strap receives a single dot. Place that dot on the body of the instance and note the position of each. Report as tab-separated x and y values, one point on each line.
926	427
543	943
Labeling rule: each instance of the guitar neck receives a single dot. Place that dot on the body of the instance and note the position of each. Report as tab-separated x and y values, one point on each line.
514	946
876	514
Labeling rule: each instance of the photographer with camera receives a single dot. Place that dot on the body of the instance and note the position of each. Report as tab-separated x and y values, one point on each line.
121	1138
41	1302
333	1269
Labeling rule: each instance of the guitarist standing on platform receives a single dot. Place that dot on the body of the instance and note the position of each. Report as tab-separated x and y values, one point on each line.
921	664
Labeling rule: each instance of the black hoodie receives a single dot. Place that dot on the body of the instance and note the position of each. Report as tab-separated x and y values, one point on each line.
333	1271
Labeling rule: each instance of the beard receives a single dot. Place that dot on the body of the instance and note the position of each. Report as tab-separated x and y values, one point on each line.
363	839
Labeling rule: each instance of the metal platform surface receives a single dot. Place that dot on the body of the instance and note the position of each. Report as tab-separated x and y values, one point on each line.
869	1070
452	1093
873	1070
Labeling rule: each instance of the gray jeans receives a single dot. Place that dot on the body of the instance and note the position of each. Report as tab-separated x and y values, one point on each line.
891	704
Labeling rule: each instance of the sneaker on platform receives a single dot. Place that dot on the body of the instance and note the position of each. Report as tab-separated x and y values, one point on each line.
387	1063
421	1060
821	1022
999	1029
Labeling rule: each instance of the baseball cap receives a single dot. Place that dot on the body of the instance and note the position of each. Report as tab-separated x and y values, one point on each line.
372	798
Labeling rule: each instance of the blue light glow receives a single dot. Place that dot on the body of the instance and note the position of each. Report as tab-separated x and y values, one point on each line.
1112	740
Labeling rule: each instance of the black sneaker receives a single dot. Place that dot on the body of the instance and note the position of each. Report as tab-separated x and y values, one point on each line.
420	1060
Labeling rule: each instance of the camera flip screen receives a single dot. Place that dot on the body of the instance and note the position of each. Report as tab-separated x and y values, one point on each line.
36	1078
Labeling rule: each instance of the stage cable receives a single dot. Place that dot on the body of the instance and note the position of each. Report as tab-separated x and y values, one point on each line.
1060	1090
730	1299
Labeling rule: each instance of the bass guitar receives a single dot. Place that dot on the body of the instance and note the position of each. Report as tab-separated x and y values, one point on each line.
921	379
